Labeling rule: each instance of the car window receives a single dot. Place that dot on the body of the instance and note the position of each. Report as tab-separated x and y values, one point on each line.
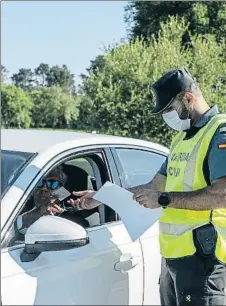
11	163
81	173
89	171
96	174
139	166
82	163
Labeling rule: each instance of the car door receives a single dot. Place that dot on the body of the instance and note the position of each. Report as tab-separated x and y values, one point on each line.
138	166
101	273
107	271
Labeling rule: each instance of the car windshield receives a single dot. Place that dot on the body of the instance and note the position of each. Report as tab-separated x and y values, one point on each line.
11	164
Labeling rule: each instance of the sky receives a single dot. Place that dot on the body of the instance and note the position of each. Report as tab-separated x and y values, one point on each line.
58	32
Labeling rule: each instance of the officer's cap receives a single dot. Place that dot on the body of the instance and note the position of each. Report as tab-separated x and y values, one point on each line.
166	88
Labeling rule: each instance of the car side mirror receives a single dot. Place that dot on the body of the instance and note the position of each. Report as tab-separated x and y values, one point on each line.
52	233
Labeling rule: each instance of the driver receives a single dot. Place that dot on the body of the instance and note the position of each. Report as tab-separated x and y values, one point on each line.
43	202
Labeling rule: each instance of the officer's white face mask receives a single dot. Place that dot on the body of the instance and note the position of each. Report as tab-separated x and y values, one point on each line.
173	120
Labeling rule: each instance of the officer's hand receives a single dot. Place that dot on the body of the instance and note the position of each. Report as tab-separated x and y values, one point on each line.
86	201
148	198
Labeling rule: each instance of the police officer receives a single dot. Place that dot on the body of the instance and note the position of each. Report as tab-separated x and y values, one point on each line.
192	238
191	187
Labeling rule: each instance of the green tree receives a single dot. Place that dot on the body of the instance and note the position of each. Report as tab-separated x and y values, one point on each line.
23	79
4	73
16	107
204	17
53	108
45	76
95	65
41	74
118	96
86	117
61	76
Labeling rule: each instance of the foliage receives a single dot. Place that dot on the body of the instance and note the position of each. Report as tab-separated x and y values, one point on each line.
16	107
49	89
118	96
95	65
45	76
204	17
41	73
115	93
4	73
53	108
62	77
23	79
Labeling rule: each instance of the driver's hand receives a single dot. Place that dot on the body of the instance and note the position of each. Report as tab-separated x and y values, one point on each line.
44	200
85	202
55	209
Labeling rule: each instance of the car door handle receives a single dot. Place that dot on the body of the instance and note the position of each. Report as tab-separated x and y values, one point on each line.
125	265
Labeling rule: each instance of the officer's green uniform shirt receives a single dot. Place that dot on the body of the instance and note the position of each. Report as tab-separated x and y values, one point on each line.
214	166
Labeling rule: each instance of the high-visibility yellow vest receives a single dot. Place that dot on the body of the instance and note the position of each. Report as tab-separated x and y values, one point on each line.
185	173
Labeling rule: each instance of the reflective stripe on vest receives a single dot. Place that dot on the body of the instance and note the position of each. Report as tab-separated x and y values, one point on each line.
178	229
185	173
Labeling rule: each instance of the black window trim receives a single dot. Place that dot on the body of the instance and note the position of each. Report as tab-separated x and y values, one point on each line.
110	215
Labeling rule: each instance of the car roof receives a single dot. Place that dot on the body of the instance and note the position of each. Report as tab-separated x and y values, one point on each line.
35	141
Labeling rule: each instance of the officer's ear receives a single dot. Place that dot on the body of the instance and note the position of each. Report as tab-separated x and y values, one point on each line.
191	99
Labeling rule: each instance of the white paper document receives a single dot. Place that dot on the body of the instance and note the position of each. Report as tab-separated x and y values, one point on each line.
136	218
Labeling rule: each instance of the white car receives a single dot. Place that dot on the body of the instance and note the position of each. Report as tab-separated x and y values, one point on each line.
59	262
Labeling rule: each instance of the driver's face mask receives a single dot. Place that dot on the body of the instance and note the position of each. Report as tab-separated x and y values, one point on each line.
178	118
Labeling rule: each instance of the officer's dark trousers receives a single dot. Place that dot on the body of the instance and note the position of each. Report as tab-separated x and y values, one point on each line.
193	280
